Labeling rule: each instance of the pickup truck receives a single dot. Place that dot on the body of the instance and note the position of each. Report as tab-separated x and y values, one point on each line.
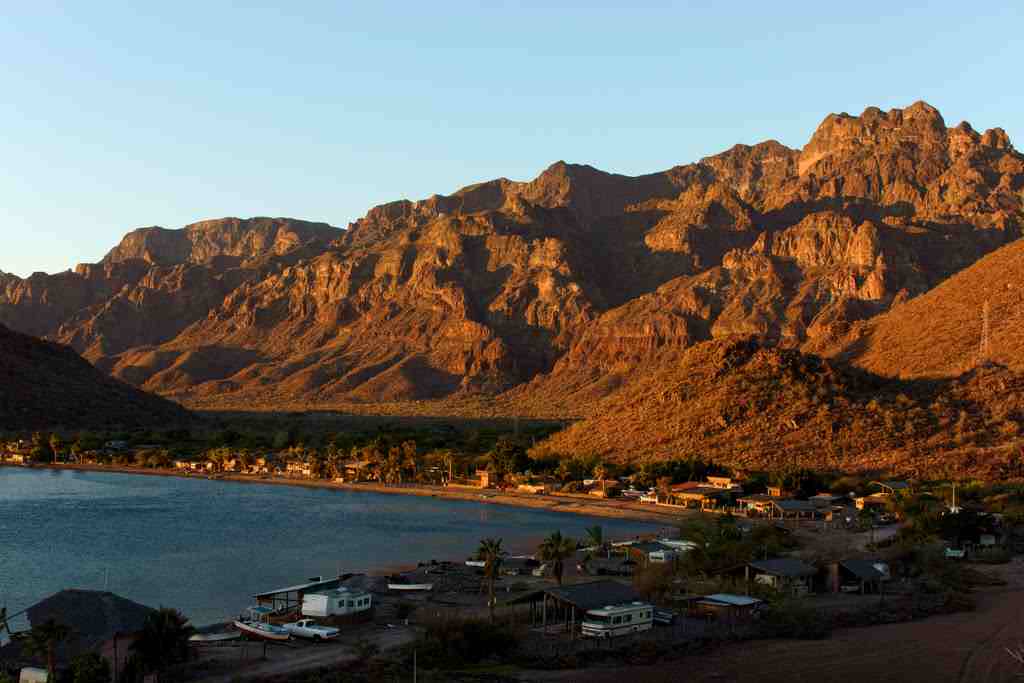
307	628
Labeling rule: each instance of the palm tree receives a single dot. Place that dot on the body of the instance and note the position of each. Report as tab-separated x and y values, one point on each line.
556	549
56	445
410	457
601	473
491	553
42	641
163	640
596	539
393	466
448	463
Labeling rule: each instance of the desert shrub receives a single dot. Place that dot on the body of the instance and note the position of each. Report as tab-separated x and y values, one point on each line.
791	619
993	556
90	668
404	609
452	641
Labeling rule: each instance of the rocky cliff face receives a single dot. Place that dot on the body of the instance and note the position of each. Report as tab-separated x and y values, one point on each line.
565	287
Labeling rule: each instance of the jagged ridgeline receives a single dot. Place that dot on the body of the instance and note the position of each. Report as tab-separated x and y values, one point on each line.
546	297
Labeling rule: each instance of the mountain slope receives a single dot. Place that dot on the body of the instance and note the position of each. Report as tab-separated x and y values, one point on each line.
938	334
551	293
46	385
742	404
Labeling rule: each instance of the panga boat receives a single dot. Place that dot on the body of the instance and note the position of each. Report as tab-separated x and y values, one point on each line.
411	586
214	635
258	625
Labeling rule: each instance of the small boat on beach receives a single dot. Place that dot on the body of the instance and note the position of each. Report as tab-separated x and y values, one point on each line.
218	637
411	586
258	626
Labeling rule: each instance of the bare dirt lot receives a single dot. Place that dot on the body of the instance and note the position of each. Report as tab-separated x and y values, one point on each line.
966	647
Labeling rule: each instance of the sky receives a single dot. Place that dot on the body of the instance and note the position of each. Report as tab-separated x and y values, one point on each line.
114	117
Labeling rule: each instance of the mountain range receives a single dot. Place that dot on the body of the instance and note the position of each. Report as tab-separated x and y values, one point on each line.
876	246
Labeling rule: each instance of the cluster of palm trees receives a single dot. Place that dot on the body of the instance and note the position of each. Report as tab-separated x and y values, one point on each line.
376	461
555	549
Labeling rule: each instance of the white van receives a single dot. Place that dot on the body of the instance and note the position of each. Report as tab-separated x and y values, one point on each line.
618	620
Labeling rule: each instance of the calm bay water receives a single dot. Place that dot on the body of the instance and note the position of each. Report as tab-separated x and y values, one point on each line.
206	547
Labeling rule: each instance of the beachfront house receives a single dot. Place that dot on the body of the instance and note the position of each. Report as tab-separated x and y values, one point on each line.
484	479
563	607
726	607
647	553
724	483
298	468
11	458
785	574
892	488
697	495
828	500
98	621
857	576
357	470
876	502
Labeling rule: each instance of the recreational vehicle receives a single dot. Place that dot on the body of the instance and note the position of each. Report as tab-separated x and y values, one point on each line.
618	620
337	602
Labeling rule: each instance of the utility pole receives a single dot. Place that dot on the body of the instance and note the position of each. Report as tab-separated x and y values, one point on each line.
983	350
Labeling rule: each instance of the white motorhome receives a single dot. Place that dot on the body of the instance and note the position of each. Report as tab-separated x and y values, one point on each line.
618	620
337	602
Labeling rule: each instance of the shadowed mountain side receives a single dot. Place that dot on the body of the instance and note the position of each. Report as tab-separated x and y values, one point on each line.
939	333
746	405
47	385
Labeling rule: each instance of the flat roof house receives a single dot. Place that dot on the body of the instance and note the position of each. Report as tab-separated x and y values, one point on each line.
565	605
726	607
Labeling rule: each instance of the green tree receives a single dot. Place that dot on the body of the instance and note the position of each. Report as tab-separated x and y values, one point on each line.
410	458
56	445
492	555
246	460
556	549
40	451
163	640
42	641
90	667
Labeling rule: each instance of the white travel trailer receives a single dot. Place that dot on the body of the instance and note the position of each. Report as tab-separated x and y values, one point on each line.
618	620
337	602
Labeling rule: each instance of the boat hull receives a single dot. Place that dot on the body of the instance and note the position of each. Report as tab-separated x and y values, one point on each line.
253	631
410	586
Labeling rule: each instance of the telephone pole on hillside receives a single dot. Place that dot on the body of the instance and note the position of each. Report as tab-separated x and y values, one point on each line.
983	349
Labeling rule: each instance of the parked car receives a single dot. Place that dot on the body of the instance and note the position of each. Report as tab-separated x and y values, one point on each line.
307	628
664	617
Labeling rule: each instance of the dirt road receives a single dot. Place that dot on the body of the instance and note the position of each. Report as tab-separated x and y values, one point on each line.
304	658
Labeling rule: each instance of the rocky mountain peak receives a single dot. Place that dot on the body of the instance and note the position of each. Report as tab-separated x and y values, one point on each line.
920	124
203	241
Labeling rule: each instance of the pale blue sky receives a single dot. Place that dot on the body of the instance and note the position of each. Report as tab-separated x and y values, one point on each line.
114	117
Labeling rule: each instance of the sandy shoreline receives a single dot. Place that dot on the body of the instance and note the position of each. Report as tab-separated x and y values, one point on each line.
572	504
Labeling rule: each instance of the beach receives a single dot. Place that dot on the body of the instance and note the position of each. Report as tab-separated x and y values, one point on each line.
579	504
